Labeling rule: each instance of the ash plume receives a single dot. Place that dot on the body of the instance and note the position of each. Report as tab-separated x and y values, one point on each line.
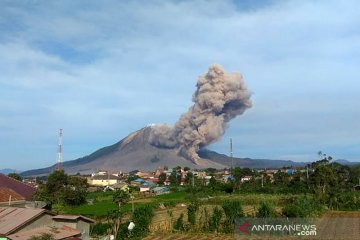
219	97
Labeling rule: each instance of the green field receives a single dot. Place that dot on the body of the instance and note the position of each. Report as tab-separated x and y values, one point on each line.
102	202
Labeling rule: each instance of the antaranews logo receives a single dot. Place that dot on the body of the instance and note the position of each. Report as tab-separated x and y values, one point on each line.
275	227
244	228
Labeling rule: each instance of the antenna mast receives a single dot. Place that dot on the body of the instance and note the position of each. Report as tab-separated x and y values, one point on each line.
59	158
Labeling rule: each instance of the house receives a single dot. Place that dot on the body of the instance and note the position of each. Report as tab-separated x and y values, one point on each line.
22	223
77	222
159	171
146	186
14	219
160	190
357	187
227	178
63	232
121	186
246	178
103	180
19	187
118	186
9	197
137	182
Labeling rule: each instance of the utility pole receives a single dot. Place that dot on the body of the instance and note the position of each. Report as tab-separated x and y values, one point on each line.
132	203
231	156
307	172
192	179
59	158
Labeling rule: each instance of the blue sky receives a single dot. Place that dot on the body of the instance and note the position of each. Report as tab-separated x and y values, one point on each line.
102	69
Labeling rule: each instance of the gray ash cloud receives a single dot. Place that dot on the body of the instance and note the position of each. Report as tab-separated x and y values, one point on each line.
219	97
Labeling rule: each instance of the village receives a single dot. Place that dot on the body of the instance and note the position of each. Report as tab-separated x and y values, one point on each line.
17	197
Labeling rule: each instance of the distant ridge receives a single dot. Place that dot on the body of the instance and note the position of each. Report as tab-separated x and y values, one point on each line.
346	162
248	162
6	171
135	152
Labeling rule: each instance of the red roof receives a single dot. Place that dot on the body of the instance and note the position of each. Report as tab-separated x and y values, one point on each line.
19	187
5	194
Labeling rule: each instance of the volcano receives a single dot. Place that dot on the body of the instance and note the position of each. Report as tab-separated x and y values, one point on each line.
136	152
132	152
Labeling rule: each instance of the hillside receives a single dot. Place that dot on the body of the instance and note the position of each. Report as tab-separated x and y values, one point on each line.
132	152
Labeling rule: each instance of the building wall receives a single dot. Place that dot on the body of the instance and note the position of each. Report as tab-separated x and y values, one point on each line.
84	228
43	220
105	182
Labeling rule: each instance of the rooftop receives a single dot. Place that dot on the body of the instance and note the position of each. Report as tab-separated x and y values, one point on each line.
72	218
57	233
12	218
5	194
19	187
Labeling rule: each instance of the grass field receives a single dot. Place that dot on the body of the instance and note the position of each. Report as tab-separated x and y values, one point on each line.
102	202
334	225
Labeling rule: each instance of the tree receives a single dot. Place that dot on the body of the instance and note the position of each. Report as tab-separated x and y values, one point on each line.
120	197
238	173
15	176
75	190
213	183
62	189
175	178
162	178
189	178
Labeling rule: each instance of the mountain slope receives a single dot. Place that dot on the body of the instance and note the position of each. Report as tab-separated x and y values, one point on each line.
133	152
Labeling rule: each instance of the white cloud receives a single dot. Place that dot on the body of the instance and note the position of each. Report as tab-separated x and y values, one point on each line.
91	65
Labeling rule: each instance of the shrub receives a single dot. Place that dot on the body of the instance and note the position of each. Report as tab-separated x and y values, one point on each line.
232	210
142	217
215	220
303	206
266	210
99	229
192	209
179	224
349	201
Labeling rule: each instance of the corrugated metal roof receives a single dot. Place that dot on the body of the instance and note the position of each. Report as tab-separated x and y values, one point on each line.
57	233
17	186
73	218
5	194
11	218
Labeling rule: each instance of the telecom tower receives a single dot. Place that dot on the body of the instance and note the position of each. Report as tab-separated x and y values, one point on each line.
59	158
